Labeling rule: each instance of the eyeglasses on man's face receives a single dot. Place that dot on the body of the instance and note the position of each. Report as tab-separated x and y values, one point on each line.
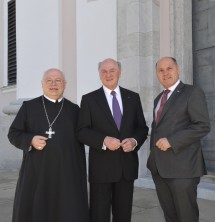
54	81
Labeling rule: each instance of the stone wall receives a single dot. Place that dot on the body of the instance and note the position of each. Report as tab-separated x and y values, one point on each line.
138	50
10	157
204	67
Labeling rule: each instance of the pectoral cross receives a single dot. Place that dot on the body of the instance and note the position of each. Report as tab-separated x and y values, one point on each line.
50	132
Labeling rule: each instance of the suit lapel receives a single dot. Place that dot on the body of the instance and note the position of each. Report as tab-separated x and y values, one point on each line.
171	99
126	98
156	103
102	102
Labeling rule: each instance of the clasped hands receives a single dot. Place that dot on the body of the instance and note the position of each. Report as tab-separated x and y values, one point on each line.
113	144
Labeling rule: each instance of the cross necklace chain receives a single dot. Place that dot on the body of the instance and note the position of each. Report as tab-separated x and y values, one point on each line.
50	132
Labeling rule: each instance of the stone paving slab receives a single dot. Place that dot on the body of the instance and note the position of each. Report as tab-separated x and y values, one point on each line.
146	207
7	189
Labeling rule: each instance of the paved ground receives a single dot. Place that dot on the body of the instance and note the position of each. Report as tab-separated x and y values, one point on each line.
145	206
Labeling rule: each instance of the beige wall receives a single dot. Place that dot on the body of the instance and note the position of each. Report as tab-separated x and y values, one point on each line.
69	62
67	54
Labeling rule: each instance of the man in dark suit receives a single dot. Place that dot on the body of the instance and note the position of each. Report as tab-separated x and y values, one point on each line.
176	161
114	133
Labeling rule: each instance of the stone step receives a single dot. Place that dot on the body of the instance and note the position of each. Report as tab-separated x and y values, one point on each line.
206	190
210	178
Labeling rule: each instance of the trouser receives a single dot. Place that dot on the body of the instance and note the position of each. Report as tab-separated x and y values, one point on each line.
118	195
178	198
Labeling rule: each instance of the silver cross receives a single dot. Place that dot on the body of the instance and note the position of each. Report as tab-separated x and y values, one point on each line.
50	132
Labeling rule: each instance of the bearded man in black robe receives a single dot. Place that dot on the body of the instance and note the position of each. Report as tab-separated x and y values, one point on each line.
52	183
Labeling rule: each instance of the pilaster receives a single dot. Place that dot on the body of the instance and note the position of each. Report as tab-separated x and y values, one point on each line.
138	50
181	37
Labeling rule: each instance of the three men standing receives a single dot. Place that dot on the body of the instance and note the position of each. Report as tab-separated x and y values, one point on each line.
52	184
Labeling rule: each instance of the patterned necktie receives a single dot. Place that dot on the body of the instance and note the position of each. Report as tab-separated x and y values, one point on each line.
163	101
117	115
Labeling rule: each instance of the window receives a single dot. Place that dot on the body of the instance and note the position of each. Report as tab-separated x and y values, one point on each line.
11	65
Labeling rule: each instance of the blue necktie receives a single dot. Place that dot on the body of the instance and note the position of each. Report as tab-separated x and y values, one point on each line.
117	115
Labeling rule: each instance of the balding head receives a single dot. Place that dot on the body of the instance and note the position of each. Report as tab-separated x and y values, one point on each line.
53	83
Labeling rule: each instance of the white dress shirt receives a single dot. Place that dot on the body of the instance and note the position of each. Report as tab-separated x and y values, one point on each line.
172	88
109	97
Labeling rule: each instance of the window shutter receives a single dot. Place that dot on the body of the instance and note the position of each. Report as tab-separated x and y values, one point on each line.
12	67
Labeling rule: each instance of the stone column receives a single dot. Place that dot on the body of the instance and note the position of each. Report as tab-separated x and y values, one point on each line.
204	69
138	50
139	47
181	37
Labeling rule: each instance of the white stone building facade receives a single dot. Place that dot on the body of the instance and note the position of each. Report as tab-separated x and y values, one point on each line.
74	35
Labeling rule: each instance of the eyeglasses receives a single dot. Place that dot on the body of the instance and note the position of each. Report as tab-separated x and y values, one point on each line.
54	81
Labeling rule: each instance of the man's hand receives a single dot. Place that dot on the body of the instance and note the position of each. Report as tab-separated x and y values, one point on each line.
163	144
128	144
112	143
39	142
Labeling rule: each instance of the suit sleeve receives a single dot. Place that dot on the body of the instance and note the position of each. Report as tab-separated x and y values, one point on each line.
141	129
199	122
86	134
18	134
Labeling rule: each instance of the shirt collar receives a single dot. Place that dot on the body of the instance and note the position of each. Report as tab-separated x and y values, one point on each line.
108	91
173	87
53	100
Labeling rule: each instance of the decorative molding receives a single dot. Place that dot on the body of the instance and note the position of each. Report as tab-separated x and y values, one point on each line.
8	89
13	107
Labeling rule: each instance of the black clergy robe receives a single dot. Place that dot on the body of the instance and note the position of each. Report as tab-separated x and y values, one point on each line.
52	183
